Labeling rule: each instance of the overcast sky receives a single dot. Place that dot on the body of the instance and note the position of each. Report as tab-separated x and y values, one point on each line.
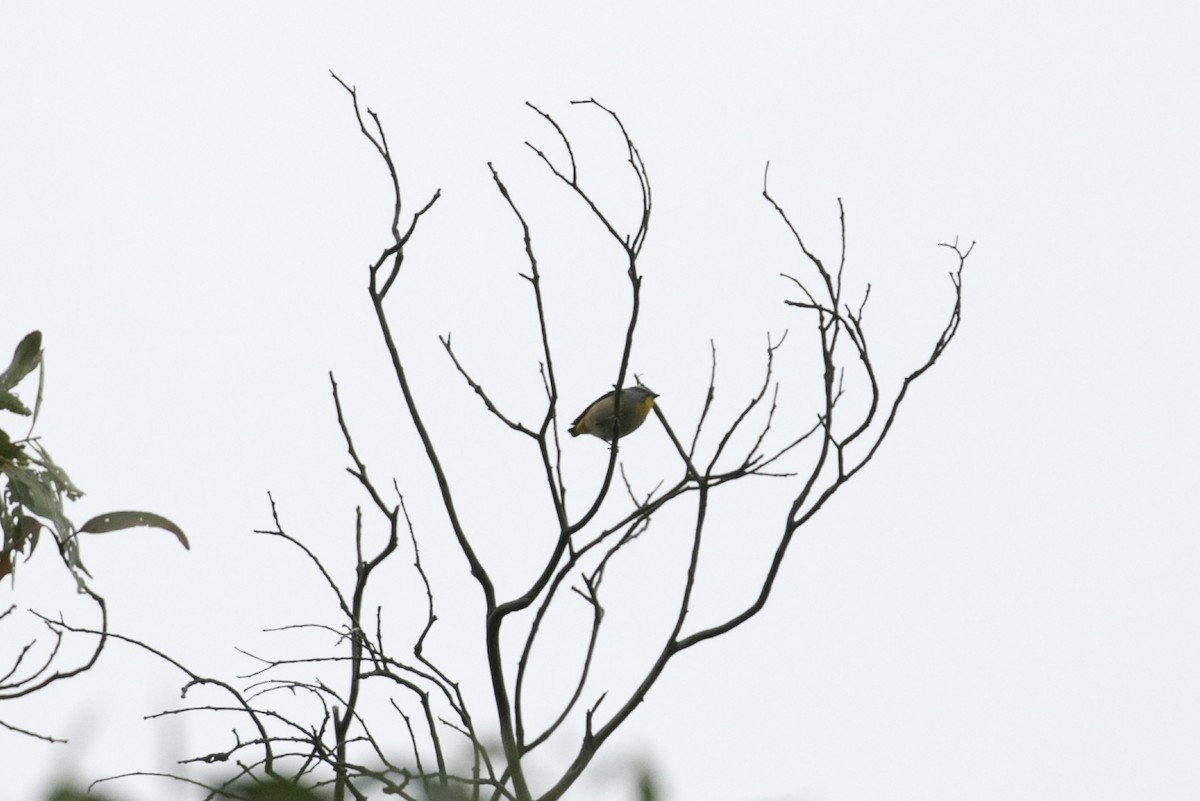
1002	605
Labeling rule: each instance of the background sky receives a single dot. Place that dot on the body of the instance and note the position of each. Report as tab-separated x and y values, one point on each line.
1002	605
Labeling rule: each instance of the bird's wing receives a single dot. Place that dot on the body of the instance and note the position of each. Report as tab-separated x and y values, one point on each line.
590	406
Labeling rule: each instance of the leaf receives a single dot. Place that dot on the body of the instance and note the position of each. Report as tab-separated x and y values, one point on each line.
27	531
62	482
35	492
10	451
26	357
37	404
11	403
116	521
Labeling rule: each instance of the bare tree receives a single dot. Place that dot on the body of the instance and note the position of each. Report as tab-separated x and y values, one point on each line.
342	746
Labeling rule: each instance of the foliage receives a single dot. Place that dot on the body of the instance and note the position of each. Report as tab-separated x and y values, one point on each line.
35	488
34	491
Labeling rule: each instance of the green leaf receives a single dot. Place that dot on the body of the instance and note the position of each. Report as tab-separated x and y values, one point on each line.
37	404
11	403
26	357
19	533
116	521
8	450
62	482
27	530
35	492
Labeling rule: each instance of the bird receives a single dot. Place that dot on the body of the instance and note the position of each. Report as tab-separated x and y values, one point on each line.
598	419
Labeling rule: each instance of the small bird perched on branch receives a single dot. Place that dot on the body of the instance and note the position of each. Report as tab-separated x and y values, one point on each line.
600	421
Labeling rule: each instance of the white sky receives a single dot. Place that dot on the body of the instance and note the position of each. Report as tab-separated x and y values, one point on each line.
1003	605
